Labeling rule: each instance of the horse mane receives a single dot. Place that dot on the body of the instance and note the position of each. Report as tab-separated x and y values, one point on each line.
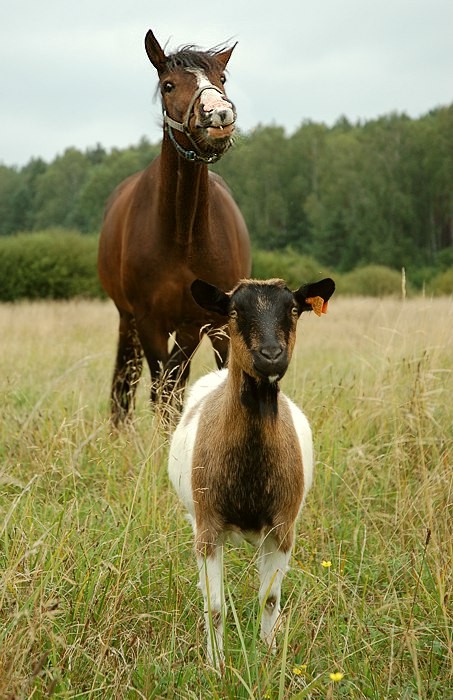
192	57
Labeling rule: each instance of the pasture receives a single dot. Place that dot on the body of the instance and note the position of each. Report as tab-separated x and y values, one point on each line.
98	582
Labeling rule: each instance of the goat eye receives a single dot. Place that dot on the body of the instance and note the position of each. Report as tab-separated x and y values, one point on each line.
223	78
295	311
233	313
168	86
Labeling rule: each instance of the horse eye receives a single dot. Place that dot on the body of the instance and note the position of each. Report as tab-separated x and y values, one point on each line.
168	86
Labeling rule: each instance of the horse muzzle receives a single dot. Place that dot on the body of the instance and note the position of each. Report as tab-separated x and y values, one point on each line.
220	132
217	118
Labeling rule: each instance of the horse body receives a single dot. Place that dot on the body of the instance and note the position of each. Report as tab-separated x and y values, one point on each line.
169	224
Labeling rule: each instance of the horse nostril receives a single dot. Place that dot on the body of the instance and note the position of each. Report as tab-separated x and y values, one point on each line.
220	115
223	114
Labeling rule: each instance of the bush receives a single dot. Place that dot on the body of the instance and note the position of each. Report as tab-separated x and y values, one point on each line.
442	283
52	264
293	268
61	264
444	258
372	281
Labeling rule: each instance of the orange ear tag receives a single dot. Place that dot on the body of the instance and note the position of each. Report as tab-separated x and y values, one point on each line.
318	305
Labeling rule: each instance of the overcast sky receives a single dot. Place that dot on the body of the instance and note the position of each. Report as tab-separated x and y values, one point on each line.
75	72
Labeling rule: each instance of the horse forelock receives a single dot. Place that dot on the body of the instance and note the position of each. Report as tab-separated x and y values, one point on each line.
191	57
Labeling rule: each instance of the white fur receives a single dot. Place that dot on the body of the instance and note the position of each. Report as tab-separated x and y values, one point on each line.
212	100
183	440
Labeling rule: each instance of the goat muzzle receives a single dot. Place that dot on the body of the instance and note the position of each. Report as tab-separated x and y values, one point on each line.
270	362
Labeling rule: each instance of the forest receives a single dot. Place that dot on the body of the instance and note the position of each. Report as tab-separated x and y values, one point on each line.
350	195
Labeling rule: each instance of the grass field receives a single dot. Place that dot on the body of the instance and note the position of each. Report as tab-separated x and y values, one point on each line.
98	594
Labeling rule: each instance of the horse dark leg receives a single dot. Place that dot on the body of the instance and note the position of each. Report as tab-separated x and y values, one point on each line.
178	365
155	347
169	372
177	368
128	368
176	374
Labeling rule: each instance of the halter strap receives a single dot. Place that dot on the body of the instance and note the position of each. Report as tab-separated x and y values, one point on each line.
169	124
184	126
188	154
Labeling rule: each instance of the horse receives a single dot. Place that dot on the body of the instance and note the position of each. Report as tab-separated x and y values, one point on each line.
169	224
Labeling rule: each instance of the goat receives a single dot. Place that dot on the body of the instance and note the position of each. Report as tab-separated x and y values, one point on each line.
241	456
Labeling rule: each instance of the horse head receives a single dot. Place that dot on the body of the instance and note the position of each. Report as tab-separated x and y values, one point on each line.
194	102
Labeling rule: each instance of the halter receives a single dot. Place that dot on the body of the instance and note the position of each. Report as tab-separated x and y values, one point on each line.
170	124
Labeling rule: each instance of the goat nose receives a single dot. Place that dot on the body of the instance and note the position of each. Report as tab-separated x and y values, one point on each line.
271	352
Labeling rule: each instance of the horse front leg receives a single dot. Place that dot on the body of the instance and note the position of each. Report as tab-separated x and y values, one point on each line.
127	370
154	340
175	375
169	371
177	367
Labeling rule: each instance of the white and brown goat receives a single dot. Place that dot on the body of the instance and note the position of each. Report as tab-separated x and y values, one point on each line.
241	457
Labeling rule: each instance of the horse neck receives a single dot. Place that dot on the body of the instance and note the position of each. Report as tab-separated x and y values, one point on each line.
183	195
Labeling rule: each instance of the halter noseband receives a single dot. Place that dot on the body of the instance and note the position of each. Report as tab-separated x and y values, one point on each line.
170	124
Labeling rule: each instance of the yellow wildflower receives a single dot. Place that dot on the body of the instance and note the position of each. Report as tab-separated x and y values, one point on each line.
335	677
300	669
326	564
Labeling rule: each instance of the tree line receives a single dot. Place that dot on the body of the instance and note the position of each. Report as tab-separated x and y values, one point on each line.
350	195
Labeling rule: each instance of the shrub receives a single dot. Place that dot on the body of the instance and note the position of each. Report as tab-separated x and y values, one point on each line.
288	265
372	281
444	258
51	264
442	283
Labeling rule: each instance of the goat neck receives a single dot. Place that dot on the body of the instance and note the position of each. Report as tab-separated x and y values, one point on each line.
258	397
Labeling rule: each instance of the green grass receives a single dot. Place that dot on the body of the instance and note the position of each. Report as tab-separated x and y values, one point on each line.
98	590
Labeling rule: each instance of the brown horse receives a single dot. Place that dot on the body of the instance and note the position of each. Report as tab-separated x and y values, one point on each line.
171	223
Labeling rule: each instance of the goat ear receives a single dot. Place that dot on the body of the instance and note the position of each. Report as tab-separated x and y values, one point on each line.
154	51
209	297
307	293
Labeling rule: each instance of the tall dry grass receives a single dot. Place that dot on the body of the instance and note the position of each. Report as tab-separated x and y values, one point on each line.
98	594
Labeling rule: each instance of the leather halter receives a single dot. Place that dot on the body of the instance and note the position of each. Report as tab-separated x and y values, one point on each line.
170	124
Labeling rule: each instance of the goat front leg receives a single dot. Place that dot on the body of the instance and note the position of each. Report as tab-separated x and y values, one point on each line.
210	569
272	566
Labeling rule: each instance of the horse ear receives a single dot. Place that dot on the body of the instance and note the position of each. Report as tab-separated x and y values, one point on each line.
224	56
307	293
154	51
210	297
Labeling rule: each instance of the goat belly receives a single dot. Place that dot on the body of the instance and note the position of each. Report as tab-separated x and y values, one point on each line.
246	510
